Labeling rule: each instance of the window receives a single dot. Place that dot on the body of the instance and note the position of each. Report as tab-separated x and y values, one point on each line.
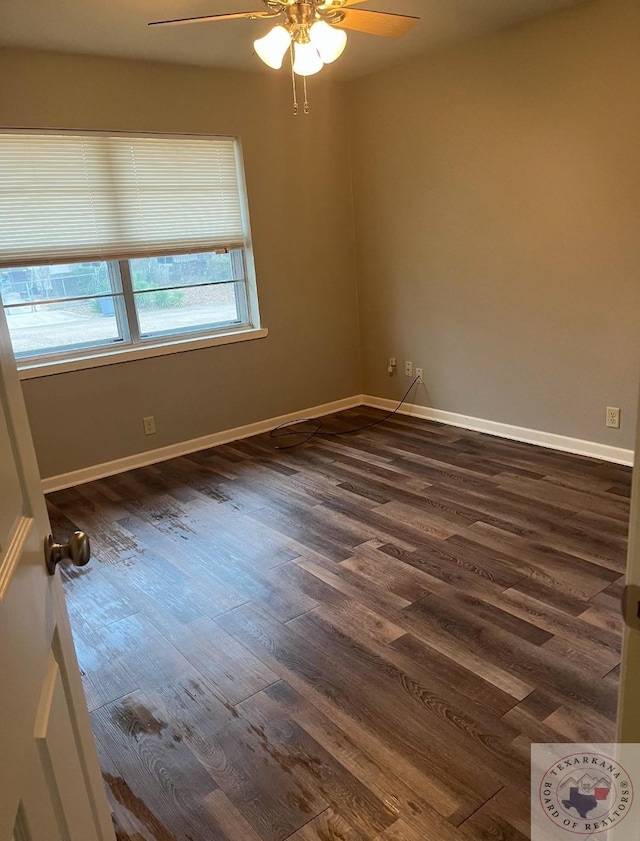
63	309
112	243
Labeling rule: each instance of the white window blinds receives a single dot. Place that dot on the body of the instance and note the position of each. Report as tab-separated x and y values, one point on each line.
66	197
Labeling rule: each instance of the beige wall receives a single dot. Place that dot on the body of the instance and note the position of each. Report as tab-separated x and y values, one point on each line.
497	189
297	173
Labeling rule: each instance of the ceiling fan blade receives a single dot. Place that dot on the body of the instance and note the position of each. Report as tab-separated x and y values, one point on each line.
377	23
206	18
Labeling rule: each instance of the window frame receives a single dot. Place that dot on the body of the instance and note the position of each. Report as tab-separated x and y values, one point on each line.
134	345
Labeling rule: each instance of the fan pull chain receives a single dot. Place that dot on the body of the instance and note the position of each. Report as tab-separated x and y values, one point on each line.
293	84
306	100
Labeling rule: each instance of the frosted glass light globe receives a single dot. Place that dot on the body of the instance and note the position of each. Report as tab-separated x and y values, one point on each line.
272	48
328	41
307	61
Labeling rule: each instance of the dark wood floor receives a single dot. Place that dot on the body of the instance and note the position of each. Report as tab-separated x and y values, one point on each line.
358	639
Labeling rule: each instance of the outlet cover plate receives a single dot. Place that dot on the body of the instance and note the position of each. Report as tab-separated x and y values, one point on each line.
613	417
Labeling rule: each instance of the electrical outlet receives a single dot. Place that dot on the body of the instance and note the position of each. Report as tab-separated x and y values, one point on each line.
408	369
149	425
613	417
419	373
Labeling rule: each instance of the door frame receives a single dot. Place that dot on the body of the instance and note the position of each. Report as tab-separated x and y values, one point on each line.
628	721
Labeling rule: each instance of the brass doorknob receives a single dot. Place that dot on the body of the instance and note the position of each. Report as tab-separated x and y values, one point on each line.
77	550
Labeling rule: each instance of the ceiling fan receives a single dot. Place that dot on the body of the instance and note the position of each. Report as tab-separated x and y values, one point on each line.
312	30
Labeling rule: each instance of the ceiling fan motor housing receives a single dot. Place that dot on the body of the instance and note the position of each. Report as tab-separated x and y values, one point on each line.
303	13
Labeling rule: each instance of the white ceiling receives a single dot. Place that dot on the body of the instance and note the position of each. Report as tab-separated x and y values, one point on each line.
118	28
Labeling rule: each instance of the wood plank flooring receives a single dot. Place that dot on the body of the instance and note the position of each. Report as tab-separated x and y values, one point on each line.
354	640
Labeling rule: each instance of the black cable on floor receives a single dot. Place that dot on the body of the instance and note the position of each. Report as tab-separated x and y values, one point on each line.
285	430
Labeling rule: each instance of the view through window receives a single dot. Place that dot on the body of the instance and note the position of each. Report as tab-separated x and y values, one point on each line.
60	309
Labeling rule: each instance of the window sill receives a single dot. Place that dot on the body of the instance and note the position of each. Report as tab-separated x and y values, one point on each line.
31	369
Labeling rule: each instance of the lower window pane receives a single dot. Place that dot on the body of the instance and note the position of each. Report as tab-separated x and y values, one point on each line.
190	309
52	328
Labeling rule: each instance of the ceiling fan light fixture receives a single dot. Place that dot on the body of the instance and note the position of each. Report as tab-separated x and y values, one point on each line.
328	41
307	61
273	47
312	30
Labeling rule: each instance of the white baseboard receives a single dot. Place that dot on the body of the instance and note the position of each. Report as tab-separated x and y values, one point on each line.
604	452
121	465
617	455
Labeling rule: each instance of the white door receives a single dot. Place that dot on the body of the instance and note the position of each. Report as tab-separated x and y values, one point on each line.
50	783
629	708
